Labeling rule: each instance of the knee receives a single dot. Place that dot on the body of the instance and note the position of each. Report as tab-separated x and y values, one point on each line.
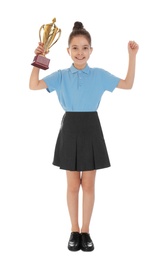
74	187
87	187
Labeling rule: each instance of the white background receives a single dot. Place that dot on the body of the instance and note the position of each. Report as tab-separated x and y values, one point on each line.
127	218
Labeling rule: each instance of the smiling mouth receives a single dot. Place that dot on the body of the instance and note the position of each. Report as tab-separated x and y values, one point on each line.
80	58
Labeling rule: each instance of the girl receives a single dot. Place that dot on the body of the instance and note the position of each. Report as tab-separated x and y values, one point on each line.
80	147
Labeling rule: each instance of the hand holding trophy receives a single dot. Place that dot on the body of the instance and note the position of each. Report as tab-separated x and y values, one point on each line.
47	36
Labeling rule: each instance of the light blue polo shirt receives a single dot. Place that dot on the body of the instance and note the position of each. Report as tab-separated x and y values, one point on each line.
80	90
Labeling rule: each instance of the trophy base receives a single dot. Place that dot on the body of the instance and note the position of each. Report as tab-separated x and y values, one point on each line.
41	62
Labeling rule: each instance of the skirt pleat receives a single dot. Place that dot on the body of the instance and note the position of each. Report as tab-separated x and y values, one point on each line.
80	145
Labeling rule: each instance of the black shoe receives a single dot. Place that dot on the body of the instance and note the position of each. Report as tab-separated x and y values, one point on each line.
86	242
74	241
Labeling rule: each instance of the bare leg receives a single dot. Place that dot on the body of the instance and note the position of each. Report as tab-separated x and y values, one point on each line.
73	185
88	186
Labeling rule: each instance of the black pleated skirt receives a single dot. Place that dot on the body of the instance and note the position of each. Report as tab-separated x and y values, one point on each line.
80	144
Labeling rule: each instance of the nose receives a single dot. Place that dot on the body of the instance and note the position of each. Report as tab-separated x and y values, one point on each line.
80	52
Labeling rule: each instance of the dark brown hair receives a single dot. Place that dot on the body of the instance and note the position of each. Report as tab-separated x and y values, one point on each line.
77	30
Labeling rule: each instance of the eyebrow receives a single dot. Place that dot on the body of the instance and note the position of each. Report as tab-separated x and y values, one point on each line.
86	45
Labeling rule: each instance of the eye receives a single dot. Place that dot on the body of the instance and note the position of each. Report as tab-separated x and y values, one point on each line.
85	48
74	48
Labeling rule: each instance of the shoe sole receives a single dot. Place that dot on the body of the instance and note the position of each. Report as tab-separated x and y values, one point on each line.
74	249
87	250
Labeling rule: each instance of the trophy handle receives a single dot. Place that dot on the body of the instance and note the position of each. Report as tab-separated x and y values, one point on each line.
59	34
40	32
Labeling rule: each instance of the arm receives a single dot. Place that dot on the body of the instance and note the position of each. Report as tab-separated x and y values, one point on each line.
34	82
127	83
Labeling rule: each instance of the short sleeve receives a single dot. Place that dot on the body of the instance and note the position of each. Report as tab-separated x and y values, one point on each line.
52	81
109	81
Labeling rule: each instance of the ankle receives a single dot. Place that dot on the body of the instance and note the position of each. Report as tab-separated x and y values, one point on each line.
74	229
85	231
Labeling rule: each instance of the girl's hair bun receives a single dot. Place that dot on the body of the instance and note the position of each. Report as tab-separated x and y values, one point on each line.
78	26
79	30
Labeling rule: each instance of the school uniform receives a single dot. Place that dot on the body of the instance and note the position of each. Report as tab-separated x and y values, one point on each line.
80	145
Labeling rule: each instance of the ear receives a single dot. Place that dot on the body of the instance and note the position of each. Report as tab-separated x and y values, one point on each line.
68	50
91	50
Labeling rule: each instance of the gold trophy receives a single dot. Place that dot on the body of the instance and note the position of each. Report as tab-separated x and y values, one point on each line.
47	35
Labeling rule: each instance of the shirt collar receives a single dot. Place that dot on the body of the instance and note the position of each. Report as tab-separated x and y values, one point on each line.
85	70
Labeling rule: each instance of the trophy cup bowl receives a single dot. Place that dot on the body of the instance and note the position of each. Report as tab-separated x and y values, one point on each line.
49	34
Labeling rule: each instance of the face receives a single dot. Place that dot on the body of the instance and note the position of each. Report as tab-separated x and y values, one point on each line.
80	51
